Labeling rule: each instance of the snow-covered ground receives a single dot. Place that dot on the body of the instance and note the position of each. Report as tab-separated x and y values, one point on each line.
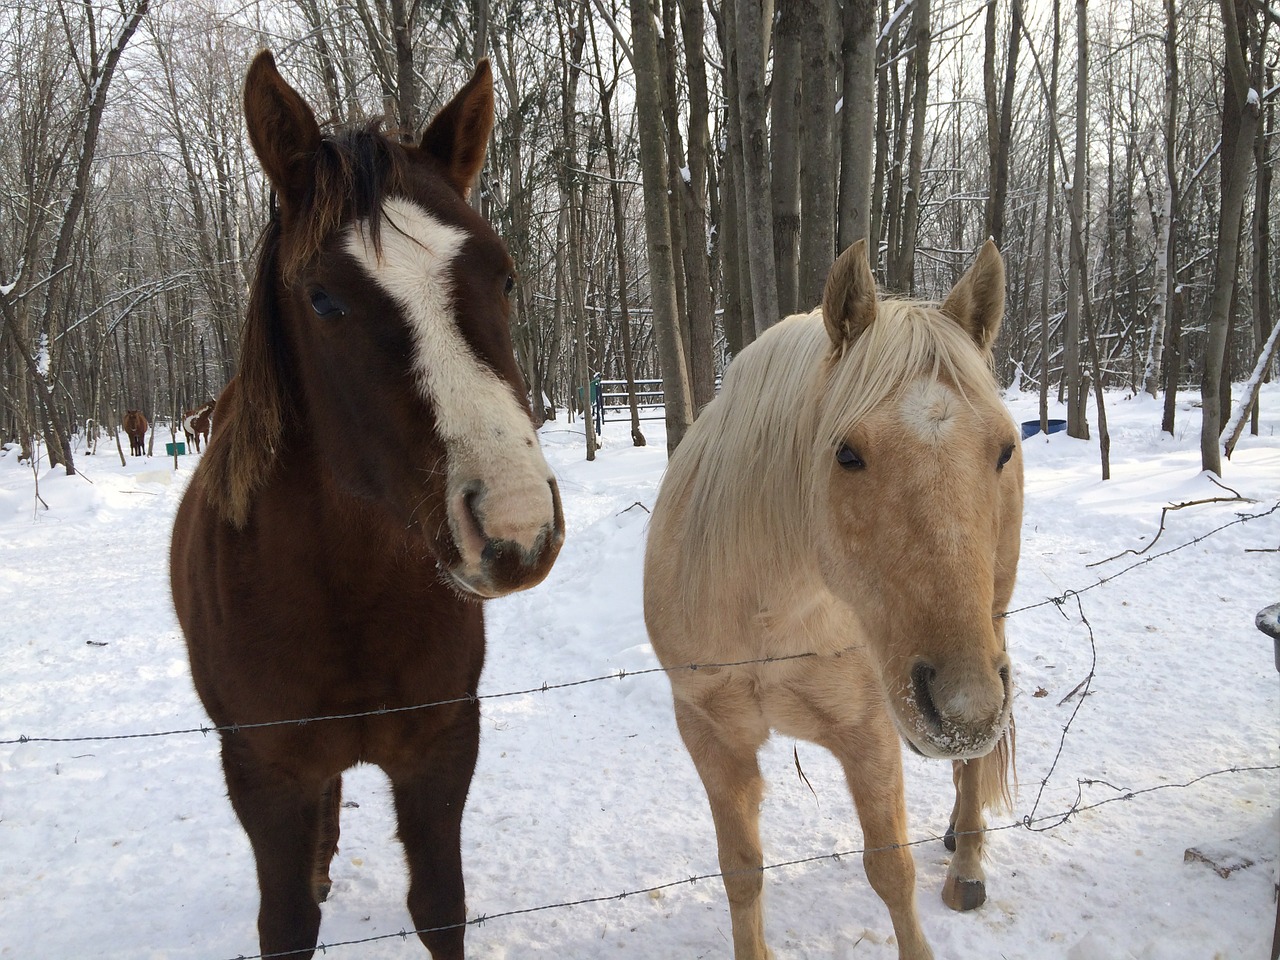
127	848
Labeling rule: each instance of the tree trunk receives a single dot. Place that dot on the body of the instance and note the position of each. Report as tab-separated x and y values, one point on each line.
1077	418
675	385
785	148
99	84
857	121
1262	305
739	315
750	26
1000	128
408	97
902	260
701	303
1239	125
620	240
1050	219
1166	255
573	40
818	117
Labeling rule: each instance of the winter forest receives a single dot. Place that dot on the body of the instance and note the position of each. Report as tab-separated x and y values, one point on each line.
1120	154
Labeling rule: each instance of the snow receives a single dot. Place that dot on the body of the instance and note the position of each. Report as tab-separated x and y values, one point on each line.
127	848
42	354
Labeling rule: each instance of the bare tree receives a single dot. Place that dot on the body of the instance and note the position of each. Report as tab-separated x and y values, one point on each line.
1000	117
1240	112
749	24
785	147
900	265
818	109
857	120
1077	418
675	384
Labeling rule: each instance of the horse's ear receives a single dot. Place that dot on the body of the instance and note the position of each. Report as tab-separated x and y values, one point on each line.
282	129
849	298
976	302
459	134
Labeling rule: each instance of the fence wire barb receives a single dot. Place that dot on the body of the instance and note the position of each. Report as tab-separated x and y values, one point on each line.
205	729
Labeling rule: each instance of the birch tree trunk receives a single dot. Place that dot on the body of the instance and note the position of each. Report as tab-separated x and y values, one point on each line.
1166	254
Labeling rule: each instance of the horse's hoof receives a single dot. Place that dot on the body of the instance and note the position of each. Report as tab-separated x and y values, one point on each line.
949	841
320	890
964	894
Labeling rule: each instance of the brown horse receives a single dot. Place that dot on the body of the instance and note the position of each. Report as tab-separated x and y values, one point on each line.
135	428
849	506
318	571
196	423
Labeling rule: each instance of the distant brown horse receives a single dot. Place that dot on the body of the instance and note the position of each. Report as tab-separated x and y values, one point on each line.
135	426
195	423
318	570
849	507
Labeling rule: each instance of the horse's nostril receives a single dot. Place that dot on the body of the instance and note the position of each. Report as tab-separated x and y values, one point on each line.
470	502
922	678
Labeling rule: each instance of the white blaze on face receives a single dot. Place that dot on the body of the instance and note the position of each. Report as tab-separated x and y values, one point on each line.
493	452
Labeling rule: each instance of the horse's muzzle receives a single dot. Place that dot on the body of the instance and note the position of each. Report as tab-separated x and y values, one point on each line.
959	714
506	541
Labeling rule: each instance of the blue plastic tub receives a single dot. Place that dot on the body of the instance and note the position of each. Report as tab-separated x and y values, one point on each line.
1031	427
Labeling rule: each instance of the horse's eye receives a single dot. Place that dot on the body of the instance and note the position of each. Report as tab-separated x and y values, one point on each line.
848	459
326	306
510	285
1005	456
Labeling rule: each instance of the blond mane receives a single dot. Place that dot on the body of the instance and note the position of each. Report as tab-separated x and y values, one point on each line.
746	475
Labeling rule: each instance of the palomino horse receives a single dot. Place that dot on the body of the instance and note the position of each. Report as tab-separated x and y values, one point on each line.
196	423
846	514
135	428
319	571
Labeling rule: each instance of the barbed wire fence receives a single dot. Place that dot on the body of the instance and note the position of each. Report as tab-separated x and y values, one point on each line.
1033	821
1040	824
205	729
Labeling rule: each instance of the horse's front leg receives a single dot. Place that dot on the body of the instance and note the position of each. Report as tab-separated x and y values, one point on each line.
330	812
725	757
966	885
872	760
430	789
281	815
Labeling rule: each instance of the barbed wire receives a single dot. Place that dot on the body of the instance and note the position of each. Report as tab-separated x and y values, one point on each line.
1083	689
206	729
1028	822
1062	598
